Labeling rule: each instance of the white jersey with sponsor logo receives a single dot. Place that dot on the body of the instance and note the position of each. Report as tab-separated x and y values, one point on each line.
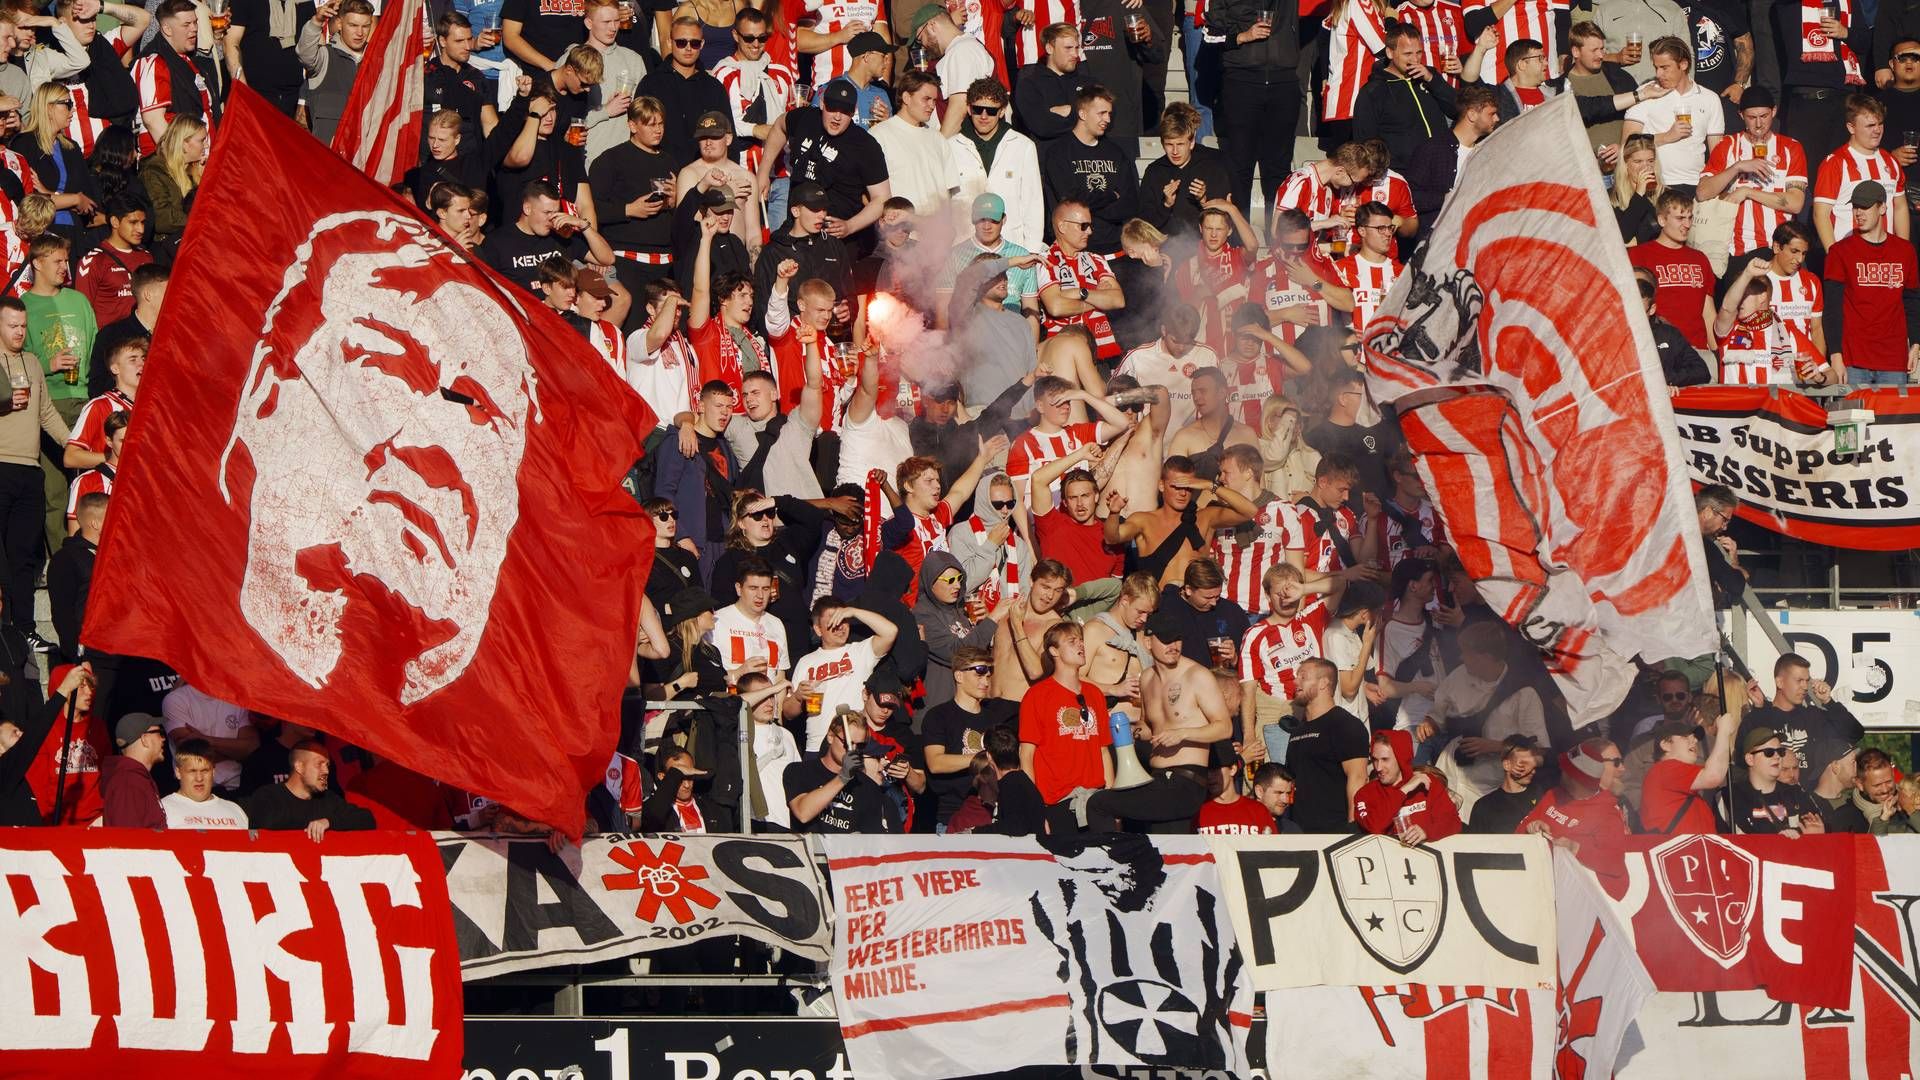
1369	281
741	637
1271	652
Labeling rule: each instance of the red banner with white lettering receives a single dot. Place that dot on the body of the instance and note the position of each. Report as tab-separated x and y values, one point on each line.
203	954
375	487
1790	462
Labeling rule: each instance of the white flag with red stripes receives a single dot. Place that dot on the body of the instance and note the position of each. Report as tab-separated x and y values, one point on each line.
1519	357
380	130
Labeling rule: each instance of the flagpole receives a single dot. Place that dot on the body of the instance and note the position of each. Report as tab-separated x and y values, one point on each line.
66	753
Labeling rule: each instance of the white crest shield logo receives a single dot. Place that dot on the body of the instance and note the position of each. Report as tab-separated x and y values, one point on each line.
385	417
1393	897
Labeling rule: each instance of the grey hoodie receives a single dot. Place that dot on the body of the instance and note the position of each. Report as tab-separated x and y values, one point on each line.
945	627
978	558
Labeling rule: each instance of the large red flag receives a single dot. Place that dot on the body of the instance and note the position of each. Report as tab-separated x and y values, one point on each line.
373	488
1518	356
380	129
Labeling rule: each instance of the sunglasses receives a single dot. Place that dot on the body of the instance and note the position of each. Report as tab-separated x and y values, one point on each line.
1776	751
1001	506
1612	760
762	515
984	110
1678	695
979	669
1296	249
756	39
68	102
688	43
667	515
887	703
1087	225
1908	57
947	579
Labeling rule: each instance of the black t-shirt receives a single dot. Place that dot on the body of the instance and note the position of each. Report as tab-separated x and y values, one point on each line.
845	164
1774	812
958	731
463	90
1369	446
859	808
518	254
548	25
554	160
464	168
1500	811
269	64
1102	176
1903	115
1226	620
1714	25
625	173
1316	754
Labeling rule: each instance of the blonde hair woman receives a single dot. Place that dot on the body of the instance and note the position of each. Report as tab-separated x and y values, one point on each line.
1636	189
172	175
59	168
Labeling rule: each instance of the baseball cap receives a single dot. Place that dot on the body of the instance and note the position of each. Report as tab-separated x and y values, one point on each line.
925	15
1674	729
866	41
128	729
839	96
885	680
810	195
712	124
687	604
1822	752
1165	625
713	199
989	206
1756	738
1868	195
591	283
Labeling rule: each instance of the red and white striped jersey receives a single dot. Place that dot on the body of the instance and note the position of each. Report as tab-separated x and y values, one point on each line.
1753	223
1303	190
830	17
98	479
1798	300
1775	353
1532	19
1083	271
1279	291
746	84
1399	542
84	129
1846	169
1390	188
90	427
1250	383
1271	652
1369	281
1215	283
1031	452
1442	31
610	344
1026	41
155	82
1246	552
1322	555
1354	33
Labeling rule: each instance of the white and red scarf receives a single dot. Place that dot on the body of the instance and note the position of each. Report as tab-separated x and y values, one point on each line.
1004	582
1816	47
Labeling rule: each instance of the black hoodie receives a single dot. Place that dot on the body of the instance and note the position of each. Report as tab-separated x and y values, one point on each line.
1402	112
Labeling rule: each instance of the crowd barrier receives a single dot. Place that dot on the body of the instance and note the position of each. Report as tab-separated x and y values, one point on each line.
1129	955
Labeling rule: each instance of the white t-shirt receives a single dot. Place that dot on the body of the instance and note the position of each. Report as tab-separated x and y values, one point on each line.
663	379
842	675
1397	641
1342	646
875	443
740	638
1151	364
215	813
918	168
964	61
773	751
1681	162
187	707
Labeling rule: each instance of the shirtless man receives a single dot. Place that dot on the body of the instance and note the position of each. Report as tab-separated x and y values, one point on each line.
1069	355
1116	657
1167	538
1132	464
1213	428
1018	661
1185	716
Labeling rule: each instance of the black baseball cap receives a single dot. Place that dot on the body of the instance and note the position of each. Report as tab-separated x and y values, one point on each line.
840	96
714	199
712	125
1165	625
814	197
885	680
866	41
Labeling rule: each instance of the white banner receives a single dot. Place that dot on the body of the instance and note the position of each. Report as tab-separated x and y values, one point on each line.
961	959
1368	910
1409	1031
1870	658
1602	981
519	906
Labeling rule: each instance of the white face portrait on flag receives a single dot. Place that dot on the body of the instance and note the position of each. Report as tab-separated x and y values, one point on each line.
1518	355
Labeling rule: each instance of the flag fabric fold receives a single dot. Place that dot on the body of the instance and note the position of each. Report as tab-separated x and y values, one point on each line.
373	488
1518	357
380	130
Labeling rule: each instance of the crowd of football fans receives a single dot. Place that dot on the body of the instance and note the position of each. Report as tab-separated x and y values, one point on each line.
1001	484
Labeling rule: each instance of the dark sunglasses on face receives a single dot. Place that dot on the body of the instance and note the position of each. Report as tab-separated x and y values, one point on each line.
984	110
979	669
756	39
887	704
1001	506
1908	57
1770	751
1612	760
762	515
688	43
667	515
1678	695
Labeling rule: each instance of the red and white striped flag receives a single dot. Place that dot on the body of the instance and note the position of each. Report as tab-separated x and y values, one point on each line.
1518	355
380	131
